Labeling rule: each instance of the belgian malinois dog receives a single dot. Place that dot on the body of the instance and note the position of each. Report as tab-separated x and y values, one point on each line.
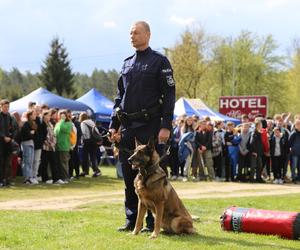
157	194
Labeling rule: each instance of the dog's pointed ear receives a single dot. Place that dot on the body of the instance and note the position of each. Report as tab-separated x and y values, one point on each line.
151	143
137	143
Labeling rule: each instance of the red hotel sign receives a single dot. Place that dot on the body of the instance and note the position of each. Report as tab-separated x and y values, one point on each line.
235	106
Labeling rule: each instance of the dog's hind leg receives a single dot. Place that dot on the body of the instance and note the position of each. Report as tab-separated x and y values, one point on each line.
140	217
159	210
181	225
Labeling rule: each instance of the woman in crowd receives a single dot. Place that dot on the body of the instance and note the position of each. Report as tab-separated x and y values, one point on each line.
175	137
217	150
48	153
244	154
62	132
27	136
89	147
38	144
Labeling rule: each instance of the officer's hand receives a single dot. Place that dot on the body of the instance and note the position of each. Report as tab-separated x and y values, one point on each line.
115	136
163	135
112	133
7	139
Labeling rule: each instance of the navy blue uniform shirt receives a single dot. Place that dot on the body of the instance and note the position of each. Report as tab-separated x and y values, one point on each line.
146	77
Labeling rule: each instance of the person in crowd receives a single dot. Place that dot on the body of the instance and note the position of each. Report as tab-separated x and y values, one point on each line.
244	154
74	159
233	151
294	145
287	121
62	132
8	133
175	137
217	150
187	145
232	141
279	122
188	125
38	144
277	150
185	154
256	149
53	116
203	142
31	106
266	160
48	157
89	147
28	132
15	161
244	119
198	171
44	107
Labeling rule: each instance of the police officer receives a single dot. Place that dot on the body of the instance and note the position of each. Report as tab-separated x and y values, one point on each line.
143	108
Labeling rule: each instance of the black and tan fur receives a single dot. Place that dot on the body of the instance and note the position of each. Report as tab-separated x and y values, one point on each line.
157	194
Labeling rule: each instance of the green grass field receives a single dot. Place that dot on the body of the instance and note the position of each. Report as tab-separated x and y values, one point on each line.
93	225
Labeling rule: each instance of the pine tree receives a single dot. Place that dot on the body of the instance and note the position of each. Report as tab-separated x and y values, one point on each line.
57	73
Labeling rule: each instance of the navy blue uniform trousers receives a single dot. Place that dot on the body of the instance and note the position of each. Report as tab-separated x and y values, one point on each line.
142	134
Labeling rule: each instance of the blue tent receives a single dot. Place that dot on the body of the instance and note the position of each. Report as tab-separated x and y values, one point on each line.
197	107
42	96
101	105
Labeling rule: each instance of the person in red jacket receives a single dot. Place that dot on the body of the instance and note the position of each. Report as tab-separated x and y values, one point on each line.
266	161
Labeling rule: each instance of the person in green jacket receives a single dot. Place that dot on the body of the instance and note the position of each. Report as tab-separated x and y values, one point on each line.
62	132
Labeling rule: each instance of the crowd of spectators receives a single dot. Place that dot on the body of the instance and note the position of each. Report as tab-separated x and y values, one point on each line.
45	143
264	150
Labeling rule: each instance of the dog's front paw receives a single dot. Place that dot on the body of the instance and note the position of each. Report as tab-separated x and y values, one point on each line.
135	232
153	236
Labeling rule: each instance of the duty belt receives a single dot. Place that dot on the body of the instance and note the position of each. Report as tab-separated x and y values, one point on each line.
143	115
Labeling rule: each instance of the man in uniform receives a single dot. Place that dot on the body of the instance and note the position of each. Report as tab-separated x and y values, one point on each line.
143	108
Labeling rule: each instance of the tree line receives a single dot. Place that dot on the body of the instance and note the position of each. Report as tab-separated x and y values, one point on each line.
205	66
57	76
208	67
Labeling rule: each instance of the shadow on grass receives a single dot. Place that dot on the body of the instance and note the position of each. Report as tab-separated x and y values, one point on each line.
223	241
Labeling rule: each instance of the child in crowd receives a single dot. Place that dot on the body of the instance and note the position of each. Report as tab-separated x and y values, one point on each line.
277	151
244	154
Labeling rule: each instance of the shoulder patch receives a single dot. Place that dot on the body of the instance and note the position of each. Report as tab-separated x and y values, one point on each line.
170	80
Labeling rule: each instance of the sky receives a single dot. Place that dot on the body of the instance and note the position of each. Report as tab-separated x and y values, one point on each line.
96	32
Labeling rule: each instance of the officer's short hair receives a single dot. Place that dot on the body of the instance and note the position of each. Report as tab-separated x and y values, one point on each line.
144	24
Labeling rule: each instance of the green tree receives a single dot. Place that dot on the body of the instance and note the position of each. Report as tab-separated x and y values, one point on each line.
56	72
248	65
190	61
293	80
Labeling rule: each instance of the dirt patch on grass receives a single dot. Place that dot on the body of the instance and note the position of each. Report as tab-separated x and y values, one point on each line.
198	191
